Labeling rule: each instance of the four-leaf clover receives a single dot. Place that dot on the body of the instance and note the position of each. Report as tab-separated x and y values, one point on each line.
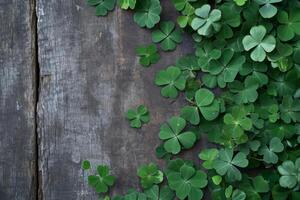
150	175
207	20
172	80
167	35
227	164
174	138
147	13
138	116
260	41
148	55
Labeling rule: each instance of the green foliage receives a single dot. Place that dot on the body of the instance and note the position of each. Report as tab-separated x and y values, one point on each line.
148	55
138	116
167	35
241	86
147	13
150	175
174	137
102	6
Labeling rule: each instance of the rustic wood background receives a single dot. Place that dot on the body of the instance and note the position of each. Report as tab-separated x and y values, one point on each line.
66	80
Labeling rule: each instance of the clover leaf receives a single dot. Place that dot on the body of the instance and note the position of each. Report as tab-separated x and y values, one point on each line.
147	13
162	193
240	2
138	117
167	35
260	41
182	5
267	10
208	155
150	175
206	21
226	164
86	165
132	195
245	93
188	65
102	181
230	19
209	107
290	173
256	72
172	80
148	55
269	152
175	139
125	4
102	6
260	184
290	24
188	182
237	121
191	114
290	109
206	53
227	66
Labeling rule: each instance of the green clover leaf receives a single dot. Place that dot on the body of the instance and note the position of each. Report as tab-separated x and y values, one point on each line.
172	80
148	55
86	165
190	114
147	13
206	53
182	5
240	2
132	195
267	10
188	182
260	184
290	173
138	117
256	72
173	136
102	6
125	4
226	164
186	8
290	24
102	180
227	66
209	107
237	121
150	175
245	93
167	35
260	41
188	65
207	20
269	152
162	193
290	109
208	155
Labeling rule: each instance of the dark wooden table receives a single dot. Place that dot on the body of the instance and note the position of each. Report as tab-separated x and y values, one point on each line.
66	80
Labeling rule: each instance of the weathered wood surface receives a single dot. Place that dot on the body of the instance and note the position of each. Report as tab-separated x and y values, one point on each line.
17	100
89	77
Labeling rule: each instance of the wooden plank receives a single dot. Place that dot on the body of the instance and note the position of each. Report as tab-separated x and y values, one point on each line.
89	78
17	100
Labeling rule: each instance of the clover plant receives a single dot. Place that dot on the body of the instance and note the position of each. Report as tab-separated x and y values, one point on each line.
239	87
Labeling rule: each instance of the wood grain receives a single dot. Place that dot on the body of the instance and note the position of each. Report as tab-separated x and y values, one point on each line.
89	78
17	100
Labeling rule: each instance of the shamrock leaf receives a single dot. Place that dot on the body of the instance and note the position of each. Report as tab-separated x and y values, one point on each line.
182	5
167	35
188	182
102	6
256	72
86	165
237	122
147	13
260	41
148	55
150	175
240	2
172	81
245	93
230	19
290	173
188	65
102	180
125	4
207	20
132	195
208	155
191	114
267	10
260	184
290	24
269	153
138	116
290	109
205	53
209	107
174	138
226	163
227	66
156	193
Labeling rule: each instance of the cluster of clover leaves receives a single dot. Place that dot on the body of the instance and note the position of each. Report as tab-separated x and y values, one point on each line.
242	89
